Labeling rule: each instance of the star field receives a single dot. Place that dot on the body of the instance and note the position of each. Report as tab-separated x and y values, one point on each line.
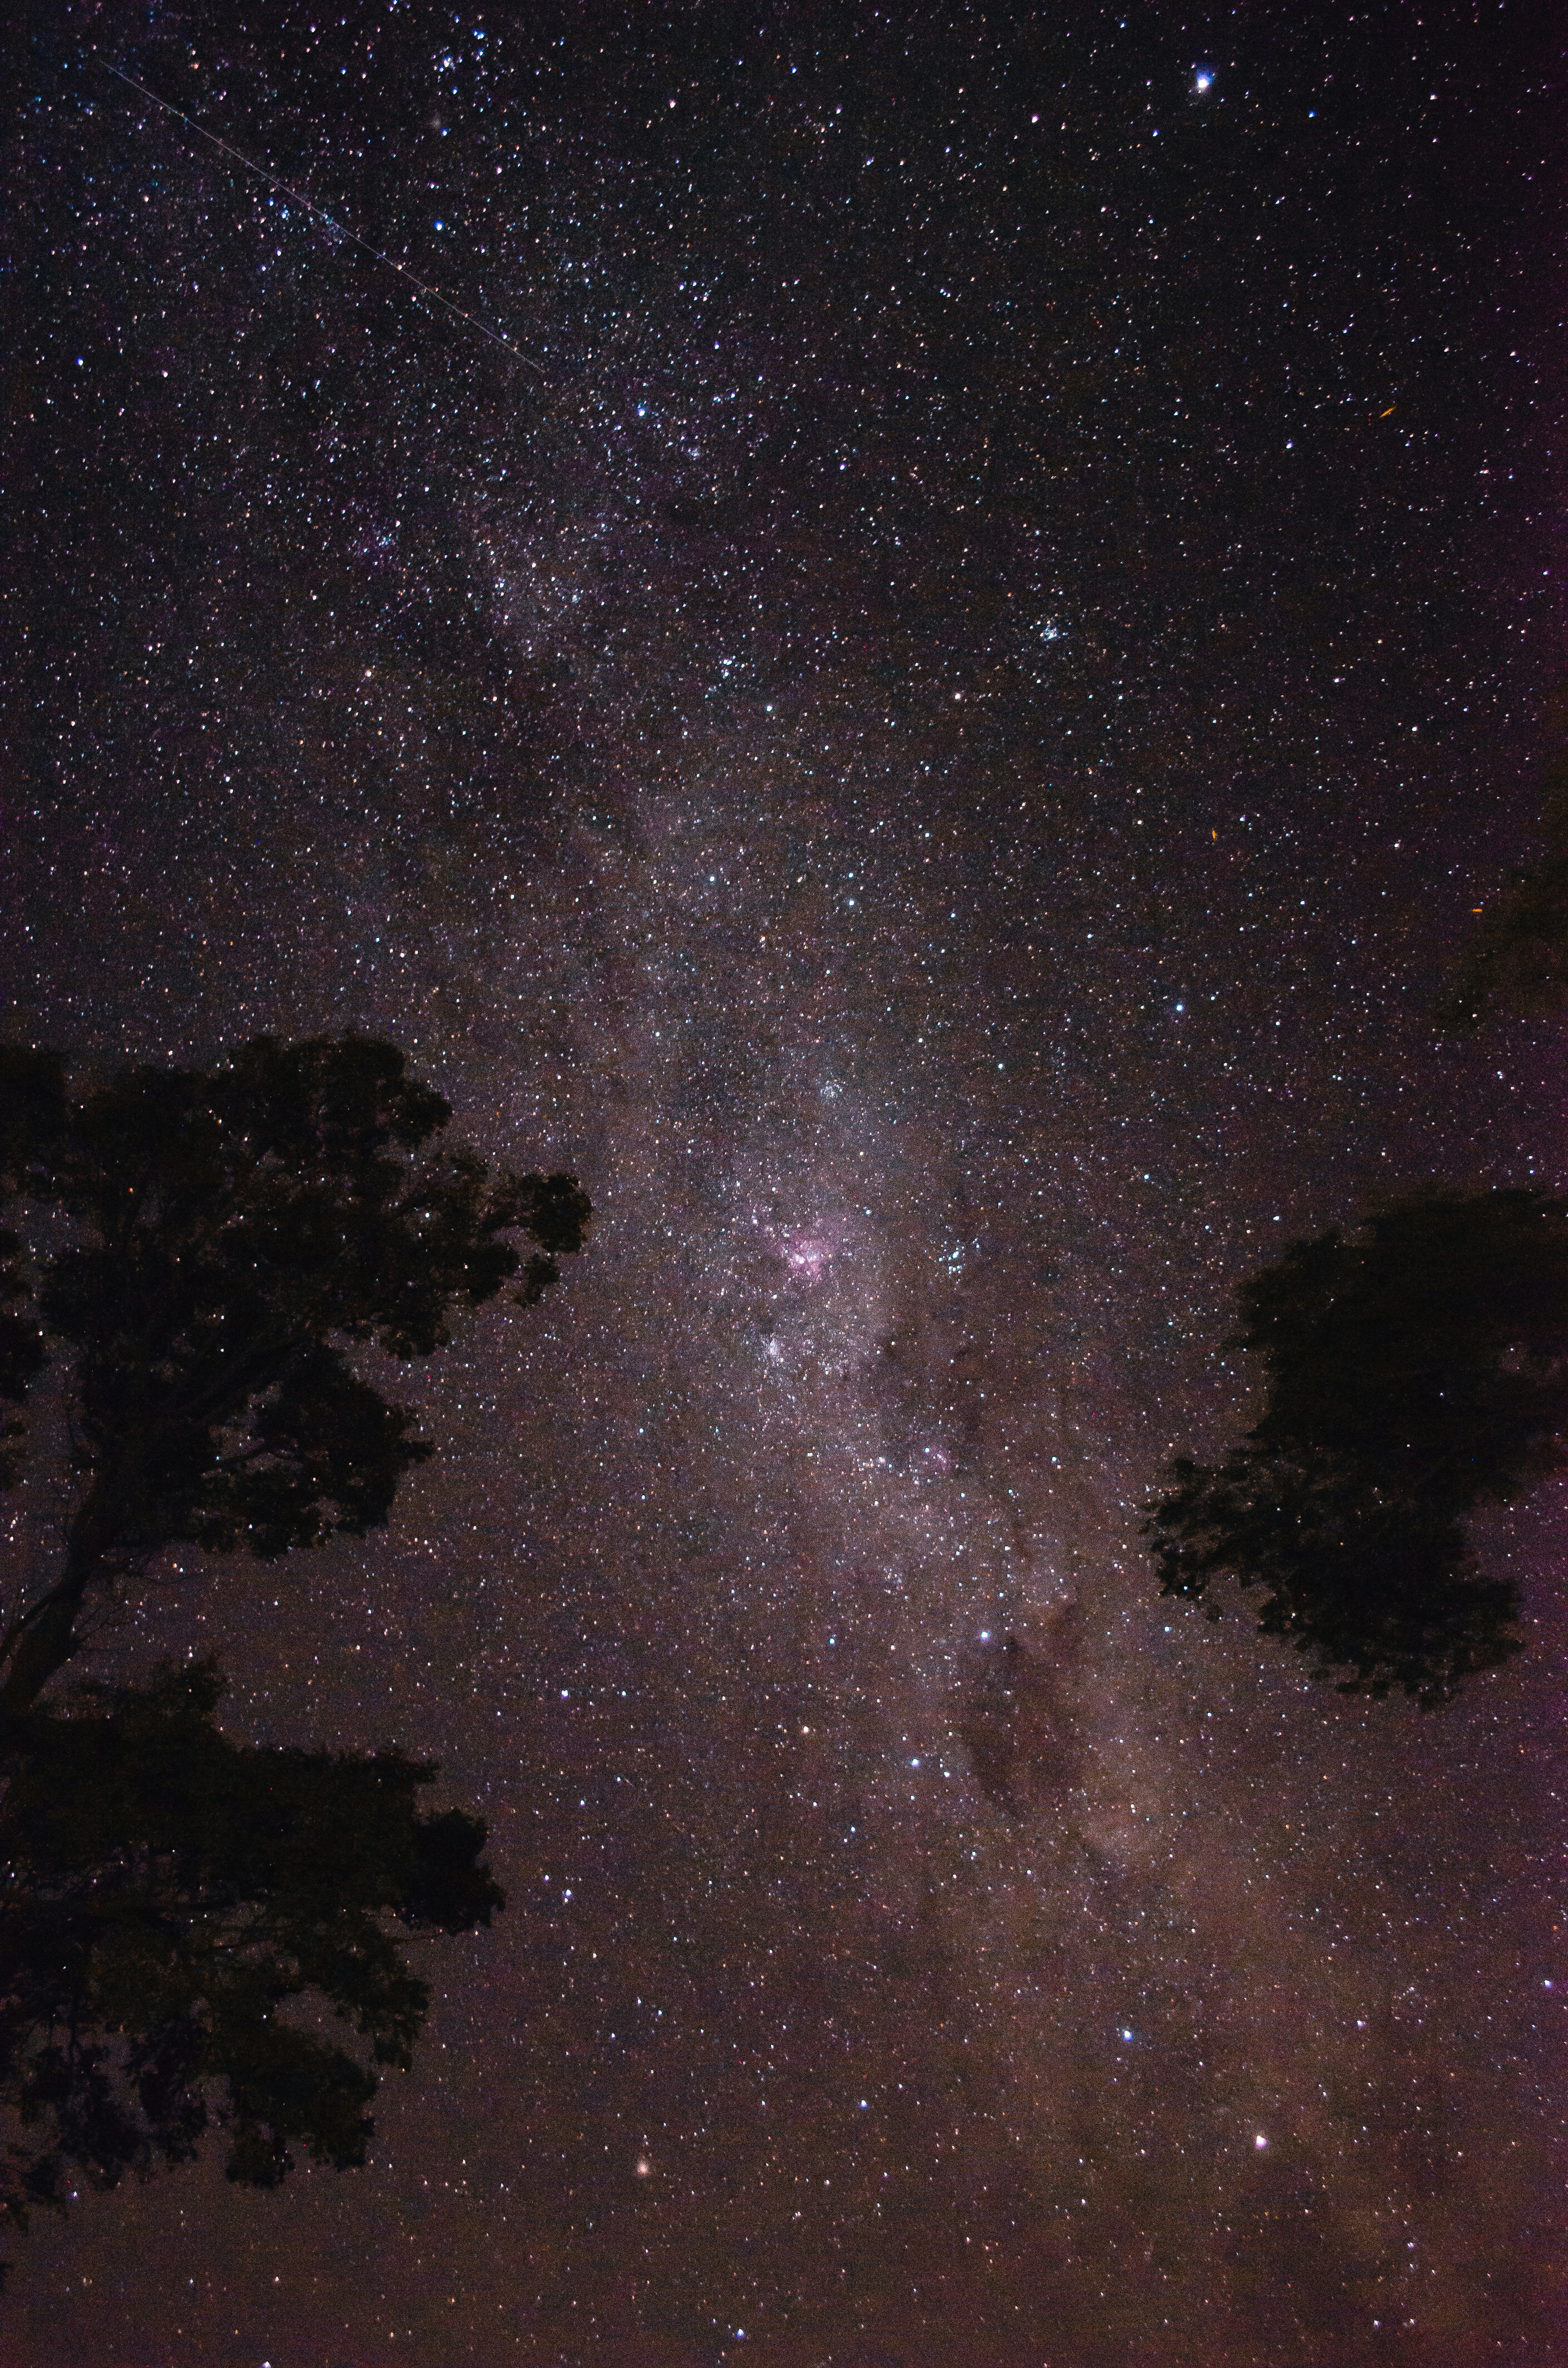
928	724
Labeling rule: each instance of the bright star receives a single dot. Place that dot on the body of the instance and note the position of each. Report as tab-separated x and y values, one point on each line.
1202	79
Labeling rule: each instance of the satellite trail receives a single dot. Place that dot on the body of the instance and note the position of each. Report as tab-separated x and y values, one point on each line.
421	287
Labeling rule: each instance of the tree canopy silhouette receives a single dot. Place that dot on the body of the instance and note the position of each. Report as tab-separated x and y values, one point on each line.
1517	958
1416	1368
190	1260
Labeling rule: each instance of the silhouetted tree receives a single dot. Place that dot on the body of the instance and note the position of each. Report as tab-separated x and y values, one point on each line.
191	1259
1416	1368
168	1891
1517	959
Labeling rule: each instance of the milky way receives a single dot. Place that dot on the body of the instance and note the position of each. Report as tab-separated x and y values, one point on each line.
931	732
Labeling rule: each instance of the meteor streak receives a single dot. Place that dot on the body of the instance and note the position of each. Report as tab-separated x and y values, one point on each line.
422	287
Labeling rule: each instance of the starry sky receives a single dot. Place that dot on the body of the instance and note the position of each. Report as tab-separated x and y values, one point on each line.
916	673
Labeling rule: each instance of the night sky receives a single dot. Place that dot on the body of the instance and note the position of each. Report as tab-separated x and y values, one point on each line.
922	694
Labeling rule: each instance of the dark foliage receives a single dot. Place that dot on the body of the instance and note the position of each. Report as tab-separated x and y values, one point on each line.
1517	959
32	1117
169	1895
231	1235
192	1260
1415	1369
